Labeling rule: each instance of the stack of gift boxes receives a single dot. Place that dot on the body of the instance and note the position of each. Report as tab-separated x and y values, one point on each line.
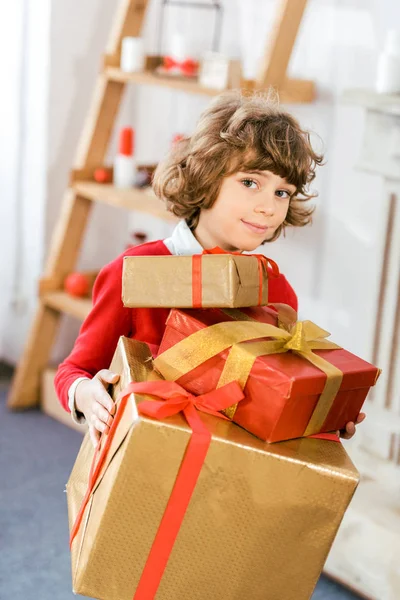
220	477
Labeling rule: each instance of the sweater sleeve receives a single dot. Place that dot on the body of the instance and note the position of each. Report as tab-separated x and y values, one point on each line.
280	290
99	334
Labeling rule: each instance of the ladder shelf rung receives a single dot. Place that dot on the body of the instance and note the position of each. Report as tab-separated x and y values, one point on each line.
142	200
150	78
70	305
292	91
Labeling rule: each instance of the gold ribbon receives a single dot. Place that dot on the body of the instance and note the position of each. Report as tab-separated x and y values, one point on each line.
302	339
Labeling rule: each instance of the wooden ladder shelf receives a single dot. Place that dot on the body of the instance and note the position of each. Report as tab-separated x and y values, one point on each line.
83	190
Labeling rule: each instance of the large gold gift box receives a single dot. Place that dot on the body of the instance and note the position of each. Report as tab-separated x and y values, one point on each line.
224	281
259	525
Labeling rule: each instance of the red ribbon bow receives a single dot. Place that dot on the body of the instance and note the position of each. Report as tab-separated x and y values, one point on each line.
173	399
187	67
263	262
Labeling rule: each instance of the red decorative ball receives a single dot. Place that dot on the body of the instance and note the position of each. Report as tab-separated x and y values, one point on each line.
102	175
77	284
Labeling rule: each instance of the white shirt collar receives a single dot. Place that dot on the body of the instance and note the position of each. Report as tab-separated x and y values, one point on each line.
182	241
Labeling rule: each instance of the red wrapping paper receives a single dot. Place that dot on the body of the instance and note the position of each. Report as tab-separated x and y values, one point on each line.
282	389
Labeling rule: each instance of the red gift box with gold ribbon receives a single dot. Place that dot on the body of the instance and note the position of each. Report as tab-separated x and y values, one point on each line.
296	382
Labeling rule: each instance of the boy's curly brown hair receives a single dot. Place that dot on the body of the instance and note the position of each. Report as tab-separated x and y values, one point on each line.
238	133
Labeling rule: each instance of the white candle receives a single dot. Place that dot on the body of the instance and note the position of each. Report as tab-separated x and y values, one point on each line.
178	47
388	73
132	54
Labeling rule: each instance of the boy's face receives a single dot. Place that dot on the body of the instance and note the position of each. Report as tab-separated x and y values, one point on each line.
249	208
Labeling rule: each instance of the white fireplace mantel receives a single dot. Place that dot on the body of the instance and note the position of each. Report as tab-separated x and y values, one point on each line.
365	555
388	104
381	148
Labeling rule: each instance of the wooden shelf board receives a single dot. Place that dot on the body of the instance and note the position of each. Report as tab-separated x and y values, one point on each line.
63	302
150	78
293	90
142	200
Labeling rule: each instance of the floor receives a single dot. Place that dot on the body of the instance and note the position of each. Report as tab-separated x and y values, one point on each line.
36	456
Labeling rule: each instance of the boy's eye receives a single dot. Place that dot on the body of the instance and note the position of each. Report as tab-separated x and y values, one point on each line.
247	182
283	194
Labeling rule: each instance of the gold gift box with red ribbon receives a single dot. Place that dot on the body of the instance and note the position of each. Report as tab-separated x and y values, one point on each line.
166	510
214	278
296	382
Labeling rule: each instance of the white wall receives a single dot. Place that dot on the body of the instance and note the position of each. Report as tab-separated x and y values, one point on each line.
337	47
10	42
24	47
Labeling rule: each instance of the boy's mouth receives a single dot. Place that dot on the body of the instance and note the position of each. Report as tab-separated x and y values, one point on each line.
255	228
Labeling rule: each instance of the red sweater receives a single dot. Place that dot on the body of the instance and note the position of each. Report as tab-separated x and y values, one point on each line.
109	319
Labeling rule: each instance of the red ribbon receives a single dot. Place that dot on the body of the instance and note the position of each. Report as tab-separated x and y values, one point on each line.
197	287
188	66
173	400
332	437
97	464
197	281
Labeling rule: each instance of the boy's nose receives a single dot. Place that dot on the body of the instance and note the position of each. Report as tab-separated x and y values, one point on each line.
267	207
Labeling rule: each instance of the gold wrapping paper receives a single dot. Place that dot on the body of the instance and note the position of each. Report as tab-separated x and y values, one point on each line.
166	281
259	525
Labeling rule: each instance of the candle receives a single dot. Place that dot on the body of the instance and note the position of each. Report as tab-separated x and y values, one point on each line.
132	54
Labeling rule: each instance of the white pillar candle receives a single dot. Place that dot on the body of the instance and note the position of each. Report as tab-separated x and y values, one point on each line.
132	54
393	42
388	78
178	47
388	72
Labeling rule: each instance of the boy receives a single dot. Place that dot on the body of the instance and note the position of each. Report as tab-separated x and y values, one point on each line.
236	183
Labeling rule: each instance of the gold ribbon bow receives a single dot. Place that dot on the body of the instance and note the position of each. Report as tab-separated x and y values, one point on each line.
302	339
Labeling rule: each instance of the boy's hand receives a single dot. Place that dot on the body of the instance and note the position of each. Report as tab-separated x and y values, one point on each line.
92	399
350	429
